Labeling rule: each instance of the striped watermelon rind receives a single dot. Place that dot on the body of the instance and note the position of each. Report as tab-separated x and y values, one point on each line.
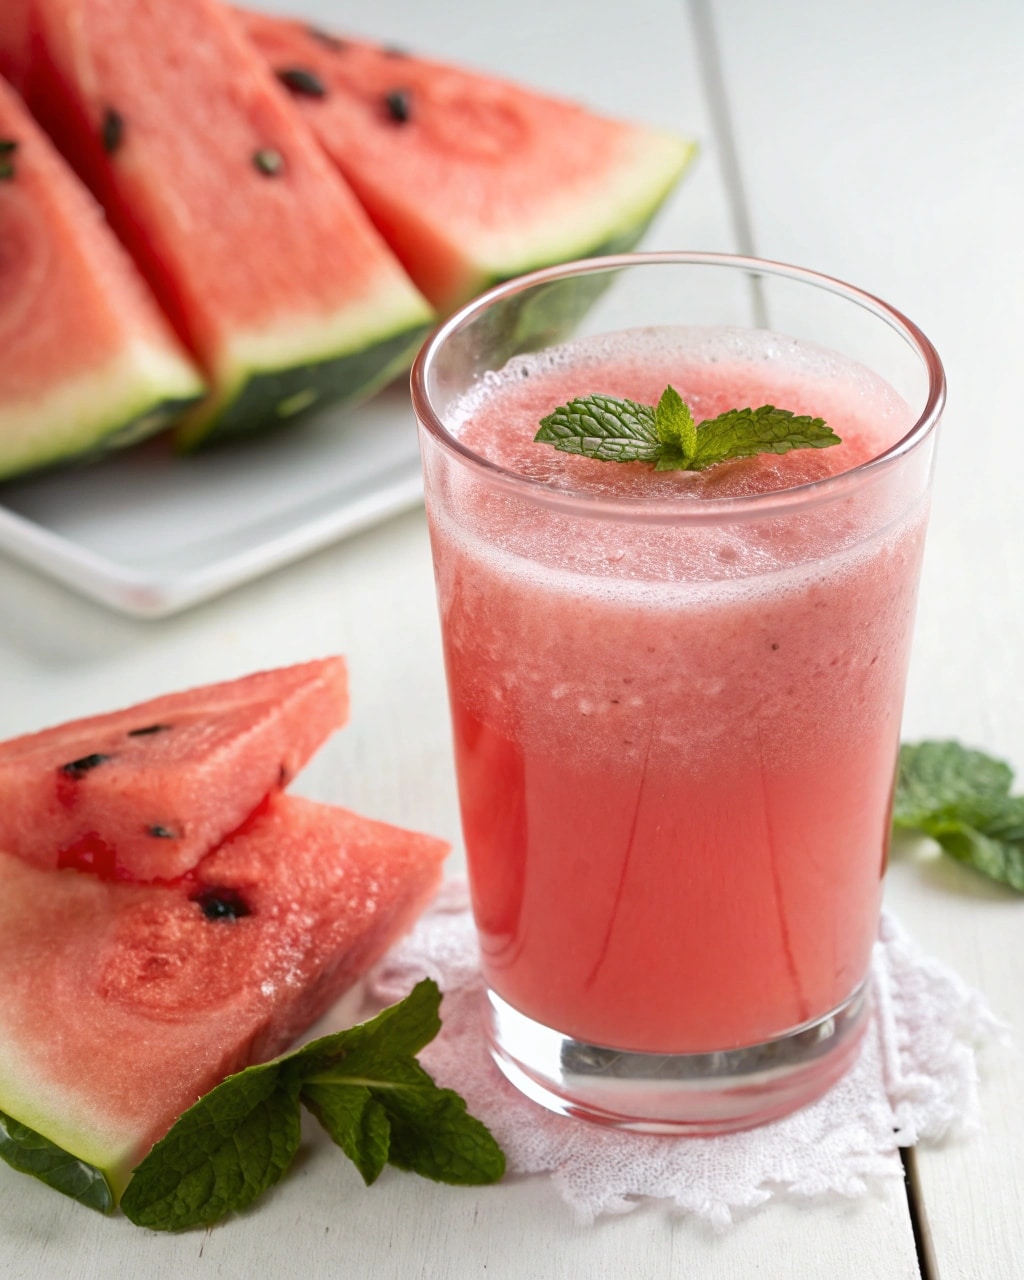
294	369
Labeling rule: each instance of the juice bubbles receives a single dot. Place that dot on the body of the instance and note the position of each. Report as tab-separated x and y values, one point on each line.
676	703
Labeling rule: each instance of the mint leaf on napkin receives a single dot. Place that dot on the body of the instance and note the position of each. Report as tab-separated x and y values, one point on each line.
365	1087
961	798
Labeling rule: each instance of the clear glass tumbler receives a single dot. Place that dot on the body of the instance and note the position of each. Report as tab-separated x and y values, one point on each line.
676	696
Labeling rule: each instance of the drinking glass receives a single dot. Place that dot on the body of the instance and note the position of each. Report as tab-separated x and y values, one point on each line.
676	710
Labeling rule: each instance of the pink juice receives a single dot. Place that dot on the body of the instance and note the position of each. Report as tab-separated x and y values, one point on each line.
676	738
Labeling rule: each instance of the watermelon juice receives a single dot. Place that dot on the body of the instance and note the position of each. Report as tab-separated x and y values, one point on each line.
676	701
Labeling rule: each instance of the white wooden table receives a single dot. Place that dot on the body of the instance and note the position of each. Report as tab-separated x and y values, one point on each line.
879	141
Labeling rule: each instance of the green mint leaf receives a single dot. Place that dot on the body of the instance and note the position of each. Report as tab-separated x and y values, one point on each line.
355	1121
742	433
223	1152
674	423
29	1152
986	833
365	1087
614	430
961	798
431	1133
603	427
934	775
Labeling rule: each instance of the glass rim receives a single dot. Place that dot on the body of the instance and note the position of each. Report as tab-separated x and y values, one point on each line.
704	510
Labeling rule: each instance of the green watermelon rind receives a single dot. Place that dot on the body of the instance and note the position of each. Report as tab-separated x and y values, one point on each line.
92	415
84	1137
261	399
30	1152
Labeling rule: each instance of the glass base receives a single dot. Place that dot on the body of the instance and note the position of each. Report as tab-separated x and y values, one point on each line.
685	1093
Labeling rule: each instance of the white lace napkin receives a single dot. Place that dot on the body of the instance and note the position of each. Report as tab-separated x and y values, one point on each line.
916	1079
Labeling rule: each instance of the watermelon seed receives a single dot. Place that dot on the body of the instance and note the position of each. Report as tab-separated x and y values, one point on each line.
81	766
112	132
325	38
302	82
6	170
221	904
161	833
268	161
147	729
399	105
7	145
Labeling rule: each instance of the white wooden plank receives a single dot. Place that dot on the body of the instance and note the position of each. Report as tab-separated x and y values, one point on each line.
880	142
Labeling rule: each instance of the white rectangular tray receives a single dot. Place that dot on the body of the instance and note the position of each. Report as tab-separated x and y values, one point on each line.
149	533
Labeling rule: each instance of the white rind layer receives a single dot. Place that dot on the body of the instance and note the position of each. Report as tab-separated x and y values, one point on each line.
637	186
81	413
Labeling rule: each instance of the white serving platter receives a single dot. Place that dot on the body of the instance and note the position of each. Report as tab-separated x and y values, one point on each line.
149	533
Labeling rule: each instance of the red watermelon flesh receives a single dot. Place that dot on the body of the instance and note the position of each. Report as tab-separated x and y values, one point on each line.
13	39
87	359
145	793
123	1004
468	178
257	250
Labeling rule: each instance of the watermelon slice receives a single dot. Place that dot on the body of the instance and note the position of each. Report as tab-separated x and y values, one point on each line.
145	793
469	179
87	360
13	38
258	251
123	1003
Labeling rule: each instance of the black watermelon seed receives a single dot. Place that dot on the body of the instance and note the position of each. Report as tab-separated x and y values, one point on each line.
268	161
6	169
303	83
81	766
161	833
7	145
148	729
112	132
221	904
325	38
399	105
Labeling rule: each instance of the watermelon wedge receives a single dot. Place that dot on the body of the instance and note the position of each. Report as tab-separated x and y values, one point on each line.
145	793
87	360
121	1004
469	179
13	38
258	252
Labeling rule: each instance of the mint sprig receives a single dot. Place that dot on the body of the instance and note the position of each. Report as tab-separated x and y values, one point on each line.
365	1087
961	798
613	430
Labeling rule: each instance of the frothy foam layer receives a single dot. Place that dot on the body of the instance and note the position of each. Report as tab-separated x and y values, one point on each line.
583	613
714	370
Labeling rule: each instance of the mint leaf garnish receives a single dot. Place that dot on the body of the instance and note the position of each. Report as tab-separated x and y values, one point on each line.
29	1152
356	1122
934	775
365	1087
224	1152
603	427
613	430
961	798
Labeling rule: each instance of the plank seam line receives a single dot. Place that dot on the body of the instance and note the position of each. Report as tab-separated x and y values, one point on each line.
709	62
918	1216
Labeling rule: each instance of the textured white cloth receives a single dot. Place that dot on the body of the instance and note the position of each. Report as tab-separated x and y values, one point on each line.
916	1079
